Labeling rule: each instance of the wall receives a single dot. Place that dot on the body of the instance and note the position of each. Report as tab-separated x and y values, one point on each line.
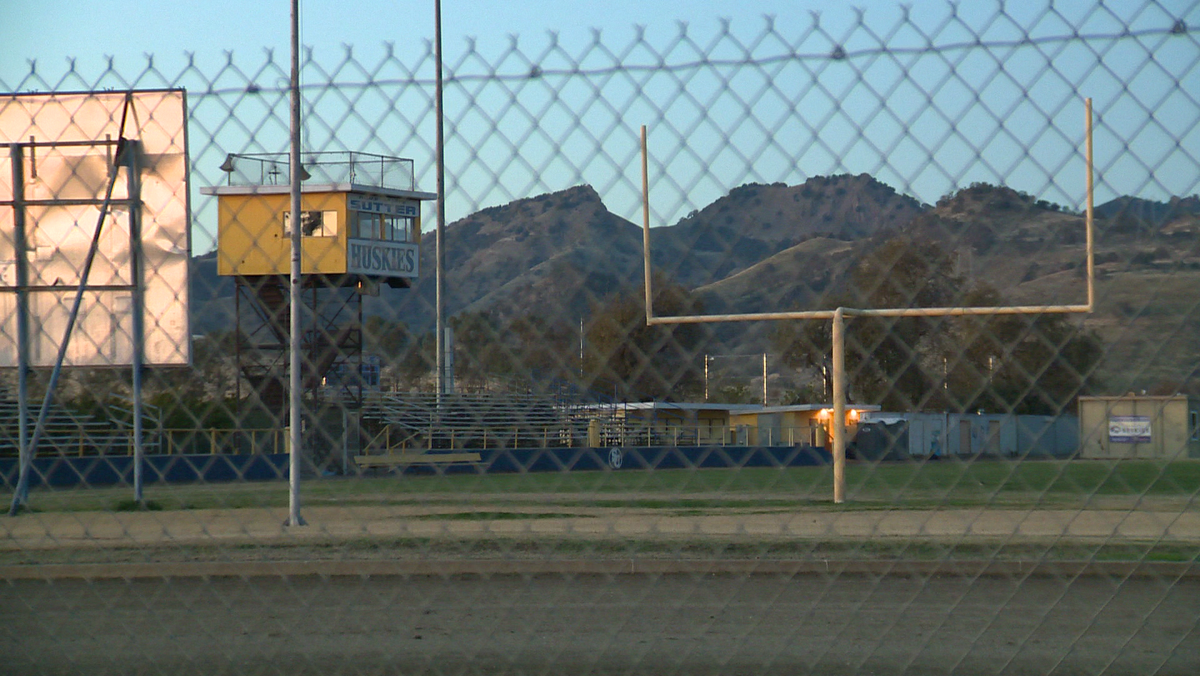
250	239
63	471
994	435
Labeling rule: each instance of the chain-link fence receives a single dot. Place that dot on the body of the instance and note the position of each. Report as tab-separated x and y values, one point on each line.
555	483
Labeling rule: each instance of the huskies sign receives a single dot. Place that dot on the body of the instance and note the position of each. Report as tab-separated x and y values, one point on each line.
379	258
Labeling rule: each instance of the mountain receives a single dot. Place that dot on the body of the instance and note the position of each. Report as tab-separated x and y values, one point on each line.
1136	215
772	247
1006	238
1034	253
210	296
797	277
552	255
756	221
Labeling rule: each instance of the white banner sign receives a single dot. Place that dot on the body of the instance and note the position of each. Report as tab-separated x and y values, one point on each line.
1129	429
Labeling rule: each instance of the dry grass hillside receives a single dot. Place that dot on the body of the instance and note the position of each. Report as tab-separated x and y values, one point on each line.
771	247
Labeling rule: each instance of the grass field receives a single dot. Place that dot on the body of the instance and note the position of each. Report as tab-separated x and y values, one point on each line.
996	483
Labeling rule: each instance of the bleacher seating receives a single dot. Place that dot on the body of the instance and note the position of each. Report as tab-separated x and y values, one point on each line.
69	433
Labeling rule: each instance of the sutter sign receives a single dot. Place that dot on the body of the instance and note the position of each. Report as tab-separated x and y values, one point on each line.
381	258
405	208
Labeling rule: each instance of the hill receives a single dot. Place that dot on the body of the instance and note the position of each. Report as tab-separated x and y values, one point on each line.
756	221
552	255
771	247
1134	215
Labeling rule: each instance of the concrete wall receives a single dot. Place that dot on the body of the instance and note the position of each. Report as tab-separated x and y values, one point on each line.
968	434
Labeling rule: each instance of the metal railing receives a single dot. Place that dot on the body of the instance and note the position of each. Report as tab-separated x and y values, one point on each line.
322	167
583	435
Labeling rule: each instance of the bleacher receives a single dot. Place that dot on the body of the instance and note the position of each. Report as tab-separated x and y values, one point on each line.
70	433
414	428
468	416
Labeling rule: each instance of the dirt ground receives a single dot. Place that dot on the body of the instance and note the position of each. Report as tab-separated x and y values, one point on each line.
171	616
264	526
627	624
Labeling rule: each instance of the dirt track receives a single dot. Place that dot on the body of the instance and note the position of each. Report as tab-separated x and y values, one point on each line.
746	620
265	526
626	624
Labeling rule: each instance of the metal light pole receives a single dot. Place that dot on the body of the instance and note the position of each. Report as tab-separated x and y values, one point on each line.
295	423
136	263
25	453
440	237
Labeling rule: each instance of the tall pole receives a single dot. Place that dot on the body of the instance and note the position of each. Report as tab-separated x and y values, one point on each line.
25	453
764	378
137	305
839	406
21	494
1090	212
646	226
440	235
295	422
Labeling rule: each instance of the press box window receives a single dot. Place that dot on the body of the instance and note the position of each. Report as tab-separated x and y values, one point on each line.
365	225
312	223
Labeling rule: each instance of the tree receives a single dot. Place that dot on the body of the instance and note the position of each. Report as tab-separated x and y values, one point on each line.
546	350
882	353
641	361
418	362
479	349
1016	363
385	337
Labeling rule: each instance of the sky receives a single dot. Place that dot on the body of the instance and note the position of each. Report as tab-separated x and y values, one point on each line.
923	124
51	31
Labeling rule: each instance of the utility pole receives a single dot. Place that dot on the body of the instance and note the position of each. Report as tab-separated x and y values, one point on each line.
295	420
440	234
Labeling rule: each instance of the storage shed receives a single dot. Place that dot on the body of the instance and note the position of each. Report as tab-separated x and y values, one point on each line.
1139	426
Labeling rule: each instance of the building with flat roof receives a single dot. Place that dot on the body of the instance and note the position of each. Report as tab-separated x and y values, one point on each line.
360	217
1139	426
741	424
360	228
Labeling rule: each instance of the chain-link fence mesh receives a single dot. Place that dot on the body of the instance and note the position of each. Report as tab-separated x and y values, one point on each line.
577	490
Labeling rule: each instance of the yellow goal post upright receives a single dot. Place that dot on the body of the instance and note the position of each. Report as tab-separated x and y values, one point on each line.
838	316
